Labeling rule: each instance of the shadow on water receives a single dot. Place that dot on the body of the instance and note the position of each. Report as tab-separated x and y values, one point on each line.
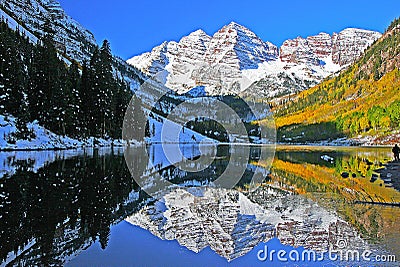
50	212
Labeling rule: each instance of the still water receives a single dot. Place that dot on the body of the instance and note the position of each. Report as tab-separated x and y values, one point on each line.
84	207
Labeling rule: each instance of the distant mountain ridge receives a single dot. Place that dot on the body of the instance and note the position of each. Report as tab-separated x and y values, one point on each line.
234	58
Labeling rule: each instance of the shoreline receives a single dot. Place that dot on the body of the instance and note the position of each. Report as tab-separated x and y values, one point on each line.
121	145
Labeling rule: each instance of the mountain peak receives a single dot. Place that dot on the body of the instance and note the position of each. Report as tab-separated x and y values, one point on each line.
199	33
239	47
351	37
233	24
218	62
236	27
352	29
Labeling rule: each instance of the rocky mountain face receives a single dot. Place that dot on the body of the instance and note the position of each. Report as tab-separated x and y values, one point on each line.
47	16
384	56
235	60
198	59
345	43
36	18
232	223
343	47
239	47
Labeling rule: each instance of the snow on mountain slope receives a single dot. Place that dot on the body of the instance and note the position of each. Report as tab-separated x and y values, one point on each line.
239	47
343	47
345	44
278	78
35	18
235	58
154	61
43	16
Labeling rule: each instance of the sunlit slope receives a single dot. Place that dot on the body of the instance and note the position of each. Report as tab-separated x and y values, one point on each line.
363	99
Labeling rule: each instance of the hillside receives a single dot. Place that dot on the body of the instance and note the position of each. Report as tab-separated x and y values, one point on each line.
362	102
58	88
43	16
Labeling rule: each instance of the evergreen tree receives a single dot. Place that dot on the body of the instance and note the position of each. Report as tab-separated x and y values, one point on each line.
73	99
121	99
36	84
15	52
47	102
103	85
135	121
86	102
13	78
94	116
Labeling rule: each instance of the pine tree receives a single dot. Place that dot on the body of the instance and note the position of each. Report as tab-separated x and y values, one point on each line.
21	123
47	102
94	114
13	75
36	84
121	99
135	124
86	102
103	85
73	99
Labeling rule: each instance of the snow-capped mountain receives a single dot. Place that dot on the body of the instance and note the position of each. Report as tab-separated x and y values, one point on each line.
239	47
236	60
47	16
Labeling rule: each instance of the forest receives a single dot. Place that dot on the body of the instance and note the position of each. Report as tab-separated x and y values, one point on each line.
67	98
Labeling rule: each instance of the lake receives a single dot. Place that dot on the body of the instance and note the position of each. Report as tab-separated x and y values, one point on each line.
95	207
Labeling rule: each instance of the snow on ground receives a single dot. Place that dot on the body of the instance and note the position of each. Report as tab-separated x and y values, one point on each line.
172	132
174	145
44	139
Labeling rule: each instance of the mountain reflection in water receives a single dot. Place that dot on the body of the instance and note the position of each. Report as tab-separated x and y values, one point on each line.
53	206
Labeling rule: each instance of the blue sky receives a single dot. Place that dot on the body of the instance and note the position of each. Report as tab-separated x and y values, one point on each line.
134	27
